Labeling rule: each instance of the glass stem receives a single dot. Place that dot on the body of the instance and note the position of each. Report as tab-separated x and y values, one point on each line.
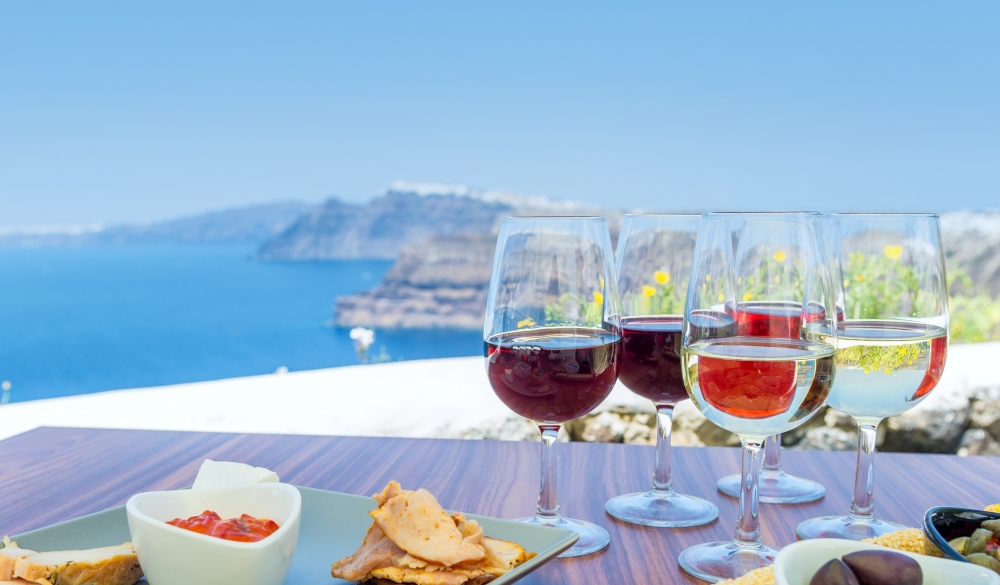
863	505
663	485
748	526
772	454
548	504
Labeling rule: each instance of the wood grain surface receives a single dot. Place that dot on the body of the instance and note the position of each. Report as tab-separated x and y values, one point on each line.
50	475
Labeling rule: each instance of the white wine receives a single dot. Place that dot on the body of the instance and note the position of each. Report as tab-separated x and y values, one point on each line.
885	368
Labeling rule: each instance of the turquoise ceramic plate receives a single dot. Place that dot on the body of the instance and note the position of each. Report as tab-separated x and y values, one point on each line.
333	525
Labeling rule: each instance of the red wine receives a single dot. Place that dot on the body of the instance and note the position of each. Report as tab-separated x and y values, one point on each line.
651	358
553	375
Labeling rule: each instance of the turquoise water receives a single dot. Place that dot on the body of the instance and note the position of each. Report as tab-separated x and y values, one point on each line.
86	319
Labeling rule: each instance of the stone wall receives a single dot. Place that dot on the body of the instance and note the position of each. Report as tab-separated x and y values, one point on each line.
966	426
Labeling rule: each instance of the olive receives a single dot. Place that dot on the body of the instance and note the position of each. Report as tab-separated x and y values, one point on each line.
876	567
993	526
959	544
978	541
984	560
834	572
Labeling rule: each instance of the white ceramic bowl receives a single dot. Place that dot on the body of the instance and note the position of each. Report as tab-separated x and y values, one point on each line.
175	556
797	563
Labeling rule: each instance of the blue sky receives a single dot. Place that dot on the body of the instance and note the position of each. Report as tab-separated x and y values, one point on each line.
113	112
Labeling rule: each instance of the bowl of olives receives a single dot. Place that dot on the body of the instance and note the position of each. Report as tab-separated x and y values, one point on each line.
829	561
965	535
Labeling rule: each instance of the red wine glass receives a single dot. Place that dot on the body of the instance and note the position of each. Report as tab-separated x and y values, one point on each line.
892	342
755	385
654	263
553	338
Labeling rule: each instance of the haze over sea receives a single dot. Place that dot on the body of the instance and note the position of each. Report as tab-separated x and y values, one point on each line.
76	320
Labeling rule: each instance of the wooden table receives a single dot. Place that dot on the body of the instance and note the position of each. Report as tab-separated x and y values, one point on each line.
49	475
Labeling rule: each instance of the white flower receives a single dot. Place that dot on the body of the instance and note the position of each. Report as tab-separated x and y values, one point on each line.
363	337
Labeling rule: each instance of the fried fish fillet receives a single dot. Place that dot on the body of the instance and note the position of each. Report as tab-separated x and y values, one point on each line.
419	525
413	540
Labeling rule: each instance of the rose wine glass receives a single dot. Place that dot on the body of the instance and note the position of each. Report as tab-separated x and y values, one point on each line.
553	338
892	343
754	385
762	317
653	263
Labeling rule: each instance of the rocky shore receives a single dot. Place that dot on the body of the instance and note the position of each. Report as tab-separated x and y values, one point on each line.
440	283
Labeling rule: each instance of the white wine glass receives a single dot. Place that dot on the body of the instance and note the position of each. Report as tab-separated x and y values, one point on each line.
892	343
553	338
754	385
653	262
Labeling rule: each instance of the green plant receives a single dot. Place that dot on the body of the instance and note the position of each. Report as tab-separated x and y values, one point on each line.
573	309
975	316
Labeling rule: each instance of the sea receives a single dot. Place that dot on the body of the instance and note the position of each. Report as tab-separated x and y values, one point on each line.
77	320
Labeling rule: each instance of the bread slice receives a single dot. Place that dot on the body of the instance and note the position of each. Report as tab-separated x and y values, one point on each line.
111	565
9	555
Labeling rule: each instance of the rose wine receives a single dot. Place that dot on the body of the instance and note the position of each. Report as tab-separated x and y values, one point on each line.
651	358
769	319
783	319
756	386
553	375
885	367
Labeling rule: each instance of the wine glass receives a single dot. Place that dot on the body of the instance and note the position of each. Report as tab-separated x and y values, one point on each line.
755	385
553	337
776	486
654	263
892	343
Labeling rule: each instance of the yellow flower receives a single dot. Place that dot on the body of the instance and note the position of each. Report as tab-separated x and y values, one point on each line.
777	279
598	297
747	296
892	252
708	278
648	291
861	278
721	297
529	322
661	277
780	255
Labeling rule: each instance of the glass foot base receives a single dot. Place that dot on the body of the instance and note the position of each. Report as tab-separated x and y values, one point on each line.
717	561
845	527
776	488
592	537
662	509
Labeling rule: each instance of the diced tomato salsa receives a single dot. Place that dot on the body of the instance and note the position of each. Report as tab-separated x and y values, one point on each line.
246	528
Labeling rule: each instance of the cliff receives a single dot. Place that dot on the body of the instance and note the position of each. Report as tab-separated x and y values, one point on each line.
381	228
441	282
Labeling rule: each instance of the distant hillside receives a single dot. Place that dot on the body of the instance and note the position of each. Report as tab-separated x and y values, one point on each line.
380	228
405	214
241	225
